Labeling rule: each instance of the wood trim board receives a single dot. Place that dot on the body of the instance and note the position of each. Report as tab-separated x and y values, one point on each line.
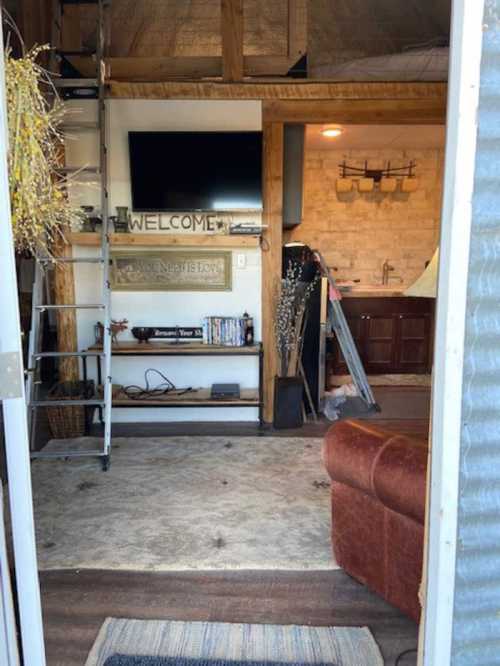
271	253
166	240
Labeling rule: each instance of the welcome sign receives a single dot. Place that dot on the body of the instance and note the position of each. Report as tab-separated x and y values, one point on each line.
177	223
197	222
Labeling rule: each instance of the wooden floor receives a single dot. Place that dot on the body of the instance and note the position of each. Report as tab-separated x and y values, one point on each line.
75	605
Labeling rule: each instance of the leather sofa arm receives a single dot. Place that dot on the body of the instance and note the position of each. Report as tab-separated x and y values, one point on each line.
384	465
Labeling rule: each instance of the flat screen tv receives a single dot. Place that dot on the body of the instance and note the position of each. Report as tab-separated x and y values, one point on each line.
185	171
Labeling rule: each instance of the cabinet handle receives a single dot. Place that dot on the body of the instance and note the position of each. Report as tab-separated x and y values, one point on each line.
367	317
401	316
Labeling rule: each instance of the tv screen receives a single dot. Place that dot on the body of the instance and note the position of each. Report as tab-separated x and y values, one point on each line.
184	171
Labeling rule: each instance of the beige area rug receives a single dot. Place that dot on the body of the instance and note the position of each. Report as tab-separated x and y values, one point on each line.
183	503
219	643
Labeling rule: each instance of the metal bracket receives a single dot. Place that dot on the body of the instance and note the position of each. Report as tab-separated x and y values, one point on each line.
11	376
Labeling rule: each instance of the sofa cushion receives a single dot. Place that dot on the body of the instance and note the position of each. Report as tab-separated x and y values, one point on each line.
385	465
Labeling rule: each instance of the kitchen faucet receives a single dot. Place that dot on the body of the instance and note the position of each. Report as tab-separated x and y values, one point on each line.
386	268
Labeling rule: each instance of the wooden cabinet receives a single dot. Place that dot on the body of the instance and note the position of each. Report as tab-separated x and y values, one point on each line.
393	335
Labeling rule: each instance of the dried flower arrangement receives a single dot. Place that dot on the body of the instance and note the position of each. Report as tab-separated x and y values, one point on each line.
40	208
290	319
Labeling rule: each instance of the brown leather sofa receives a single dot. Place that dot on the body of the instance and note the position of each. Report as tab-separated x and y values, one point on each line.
378	509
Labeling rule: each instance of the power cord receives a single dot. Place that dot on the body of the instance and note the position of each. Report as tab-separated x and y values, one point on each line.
135	392
404	654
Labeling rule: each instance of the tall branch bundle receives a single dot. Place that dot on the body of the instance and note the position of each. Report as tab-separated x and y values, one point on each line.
289	321
39	206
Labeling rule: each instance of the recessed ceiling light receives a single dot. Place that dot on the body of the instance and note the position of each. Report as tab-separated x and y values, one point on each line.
331	132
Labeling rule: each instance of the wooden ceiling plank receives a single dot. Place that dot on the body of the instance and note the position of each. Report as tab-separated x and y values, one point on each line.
71	37
297	29
232	39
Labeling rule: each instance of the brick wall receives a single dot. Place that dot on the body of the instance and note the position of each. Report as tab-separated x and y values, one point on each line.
358	232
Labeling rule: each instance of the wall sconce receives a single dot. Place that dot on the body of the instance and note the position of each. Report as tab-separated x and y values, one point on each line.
388	185
344	185
366	184
385	179
409	184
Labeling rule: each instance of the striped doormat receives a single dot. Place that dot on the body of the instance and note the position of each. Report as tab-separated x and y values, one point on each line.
171	643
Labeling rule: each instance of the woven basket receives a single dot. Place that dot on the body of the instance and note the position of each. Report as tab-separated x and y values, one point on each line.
73	420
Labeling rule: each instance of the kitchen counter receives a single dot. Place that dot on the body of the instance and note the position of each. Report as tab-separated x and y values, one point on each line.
373	291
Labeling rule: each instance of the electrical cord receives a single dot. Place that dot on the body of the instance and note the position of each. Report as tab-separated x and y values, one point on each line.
135	392
403	654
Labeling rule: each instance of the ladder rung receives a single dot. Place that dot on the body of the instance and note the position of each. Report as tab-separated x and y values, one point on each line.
84	170
71	260
80	126
66	454
76	83
55	306
82	354
68	403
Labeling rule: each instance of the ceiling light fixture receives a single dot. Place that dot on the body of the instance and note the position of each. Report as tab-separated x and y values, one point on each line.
331	132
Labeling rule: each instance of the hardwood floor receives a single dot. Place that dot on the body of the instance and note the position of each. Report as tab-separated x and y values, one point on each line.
76	603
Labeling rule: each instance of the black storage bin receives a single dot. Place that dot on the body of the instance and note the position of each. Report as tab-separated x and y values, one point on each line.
288	402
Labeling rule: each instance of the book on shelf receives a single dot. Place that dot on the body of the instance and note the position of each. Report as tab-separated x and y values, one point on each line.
224	331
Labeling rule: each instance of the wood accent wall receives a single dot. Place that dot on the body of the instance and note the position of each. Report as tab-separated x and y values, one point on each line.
271	252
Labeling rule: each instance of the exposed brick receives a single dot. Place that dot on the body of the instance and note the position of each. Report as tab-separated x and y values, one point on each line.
357	233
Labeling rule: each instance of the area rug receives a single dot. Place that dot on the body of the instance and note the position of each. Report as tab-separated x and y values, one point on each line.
224	643
184	503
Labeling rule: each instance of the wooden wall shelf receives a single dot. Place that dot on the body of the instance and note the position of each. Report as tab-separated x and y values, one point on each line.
166	240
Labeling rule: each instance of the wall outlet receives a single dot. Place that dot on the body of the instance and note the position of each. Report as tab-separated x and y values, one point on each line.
241	260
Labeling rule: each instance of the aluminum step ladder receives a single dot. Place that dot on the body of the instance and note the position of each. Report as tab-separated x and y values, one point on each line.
41	291
339	326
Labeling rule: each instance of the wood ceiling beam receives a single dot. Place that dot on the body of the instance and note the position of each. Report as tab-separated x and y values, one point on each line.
311	102
357	111
166	68
232	39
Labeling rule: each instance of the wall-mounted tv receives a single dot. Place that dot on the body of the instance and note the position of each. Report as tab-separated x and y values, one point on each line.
185	171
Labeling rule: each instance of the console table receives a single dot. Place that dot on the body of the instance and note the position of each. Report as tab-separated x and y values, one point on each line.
201	396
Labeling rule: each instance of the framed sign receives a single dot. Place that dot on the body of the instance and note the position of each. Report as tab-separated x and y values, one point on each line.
171	271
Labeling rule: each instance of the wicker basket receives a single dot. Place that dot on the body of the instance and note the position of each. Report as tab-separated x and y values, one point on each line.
73	420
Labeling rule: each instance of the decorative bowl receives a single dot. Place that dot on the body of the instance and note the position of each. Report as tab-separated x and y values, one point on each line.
142	333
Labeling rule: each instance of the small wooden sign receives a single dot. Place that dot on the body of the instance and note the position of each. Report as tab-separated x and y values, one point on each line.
171	271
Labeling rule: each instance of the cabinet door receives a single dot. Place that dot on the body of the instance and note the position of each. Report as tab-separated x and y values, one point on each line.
379	343
413	343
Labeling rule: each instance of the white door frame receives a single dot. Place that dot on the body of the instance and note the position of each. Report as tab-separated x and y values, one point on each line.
15	422
448	365
460	158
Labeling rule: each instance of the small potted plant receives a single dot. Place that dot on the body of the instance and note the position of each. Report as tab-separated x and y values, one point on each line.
289	325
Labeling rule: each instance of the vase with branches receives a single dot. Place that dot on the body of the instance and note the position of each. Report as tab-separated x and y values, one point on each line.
289	325
290	319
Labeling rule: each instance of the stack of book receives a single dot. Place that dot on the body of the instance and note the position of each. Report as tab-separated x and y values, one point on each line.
226	331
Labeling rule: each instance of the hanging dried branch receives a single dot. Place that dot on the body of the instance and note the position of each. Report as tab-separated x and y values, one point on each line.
39	206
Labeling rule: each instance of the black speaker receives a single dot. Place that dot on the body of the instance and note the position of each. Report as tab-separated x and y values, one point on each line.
293	174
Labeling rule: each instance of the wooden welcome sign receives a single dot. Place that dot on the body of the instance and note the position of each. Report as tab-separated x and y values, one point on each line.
179	223
171	271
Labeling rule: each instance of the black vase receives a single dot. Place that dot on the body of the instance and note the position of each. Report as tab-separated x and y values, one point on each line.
288	402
